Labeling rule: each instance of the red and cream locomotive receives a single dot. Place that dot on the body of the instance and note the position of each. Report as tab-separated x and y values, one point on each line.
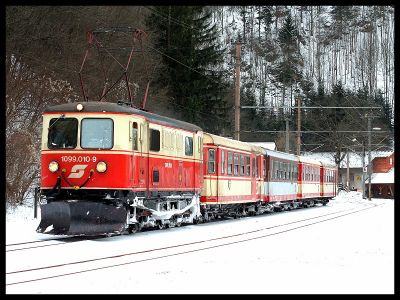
108	167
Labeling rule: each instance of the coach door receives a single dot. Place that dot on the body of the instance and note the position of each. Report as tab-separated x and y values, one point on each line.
321	180
300	177
133	138
260	175
254	178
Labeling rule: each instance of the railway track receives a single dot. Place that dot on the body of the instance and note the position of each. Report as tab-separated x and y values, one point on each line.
48	242
47	272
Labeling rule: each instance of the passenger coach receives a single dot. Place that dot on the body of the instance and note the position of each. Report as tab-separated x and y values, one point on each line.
233	176
280	185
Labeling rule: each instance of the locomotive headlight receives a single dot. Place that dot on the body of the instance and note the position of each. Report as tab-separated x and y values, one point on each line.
53	166
79	107
101	167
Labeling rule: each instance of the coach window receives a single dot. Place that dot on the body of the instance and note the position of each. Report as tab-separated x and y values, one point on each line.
287	171
211	161
277	170
230	163
154	140
188	146
272	169
265	167
247	165
257	164
284	170
241	165
236	164
253	164
222	161
63	133
293	172
96	133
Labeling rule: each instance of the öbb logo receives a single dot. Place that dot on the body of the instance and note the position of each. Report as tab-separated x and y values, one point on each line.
77	171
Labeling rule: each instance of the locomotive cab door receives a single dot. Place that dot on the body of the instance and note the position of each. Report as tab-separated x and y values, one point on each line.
143	163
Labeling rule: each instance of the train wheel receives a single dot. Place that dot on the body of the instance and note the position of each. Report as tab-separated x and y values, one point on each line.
133	228
160	225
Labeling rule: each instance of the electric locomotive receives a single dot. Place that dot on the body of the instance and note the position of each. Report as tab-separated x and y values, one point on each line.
108	167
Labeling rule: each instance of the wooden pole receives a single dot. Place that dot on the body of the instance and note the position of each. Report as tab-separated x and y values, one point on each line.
287	136
369	158
298	125
237	93
348	171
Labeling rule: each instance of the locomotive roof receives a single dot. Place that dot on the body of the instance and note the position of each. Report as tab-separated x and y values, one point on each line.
122	108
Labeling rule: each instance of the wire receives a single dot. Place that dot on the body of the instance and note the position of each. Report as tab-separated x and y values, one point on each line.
169	18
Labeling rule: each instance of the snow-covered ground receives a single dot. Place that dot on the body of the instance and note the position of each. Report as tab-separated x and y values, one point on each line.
345	247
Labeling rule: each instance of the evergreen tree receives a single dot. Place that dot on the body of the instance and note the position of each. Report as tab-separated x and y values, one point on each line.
386	114
191	63
288	71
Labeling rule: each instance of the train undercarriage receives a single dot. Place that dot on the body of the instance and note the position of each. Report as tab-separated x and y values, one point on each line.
102	212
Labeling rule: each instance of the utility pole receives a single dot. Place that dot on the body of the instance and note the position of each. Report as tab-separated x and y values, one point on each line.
363	166
298	125
237	92
287	136
348	171
369	157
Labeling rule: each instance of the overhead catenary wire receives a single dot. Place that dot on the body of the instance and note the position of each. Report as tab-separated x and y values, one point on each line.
206	76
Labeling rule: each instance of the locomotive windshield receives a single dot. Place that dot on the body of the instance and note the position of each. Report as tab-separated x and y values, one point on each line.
62	133
97	133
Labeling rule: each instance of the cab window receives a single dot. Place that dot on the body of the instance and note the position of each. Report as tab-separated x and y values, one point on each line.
188	146
63	133
96	133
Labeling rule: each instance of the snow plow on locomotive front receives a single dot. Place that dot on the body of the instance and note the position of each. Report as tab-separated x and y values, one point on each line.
99	175
79	191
